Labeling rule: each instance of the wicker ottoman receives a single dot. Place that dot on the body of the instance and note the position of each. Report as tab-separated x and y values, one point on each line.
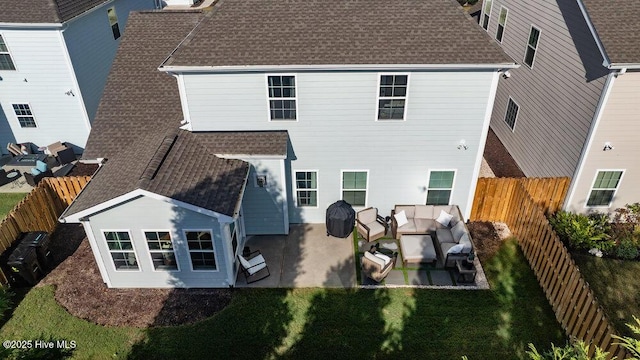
417	249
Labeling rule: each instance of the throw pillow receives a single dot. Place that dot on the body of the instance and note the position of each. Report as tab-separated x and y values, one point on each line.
383	257
444	218
456	249
457	231
35	172
401	218
41	166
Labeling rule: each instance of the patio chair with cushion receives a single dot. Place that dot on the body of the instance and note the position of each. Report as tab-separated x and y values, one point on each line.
63	153
253	265
371	225
376	266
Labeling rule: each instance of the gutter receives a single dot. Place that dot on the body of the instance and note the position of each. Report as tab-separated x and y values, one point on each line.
606	61
334	67
32	26
62	217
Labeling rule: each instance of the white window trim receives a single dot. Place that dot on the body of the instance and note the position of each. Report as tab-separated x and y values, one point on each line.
453	183
4	38
506	110
593	183
504	26
406	98
133	246
173	244
215	251
16	115
295	98
317	189
527	46
483	14
366	195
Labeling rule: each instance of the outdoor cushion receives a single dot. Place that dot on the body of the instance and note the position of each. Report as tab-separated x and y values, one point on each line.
425	225
444	218
367	216
424	212
446	246
41	166
384	257
454	220
444	236
401	218
451	209
455	249
378	261
457	231
254	264
409	210
466	242
409	227
35	172
375	228
417	248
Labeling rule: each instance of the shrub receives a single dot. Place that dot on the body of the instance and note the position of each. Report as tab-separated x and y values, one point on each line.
627	249
579	350
626	221
583	232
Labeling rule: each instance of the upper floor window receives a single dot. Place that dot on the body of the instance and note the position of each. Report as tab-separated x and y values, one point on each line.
486	13
24	115
282	97
604	188
511	115
502	21
121	250
113	22
392	97
307	188
532	46
5	58
440	187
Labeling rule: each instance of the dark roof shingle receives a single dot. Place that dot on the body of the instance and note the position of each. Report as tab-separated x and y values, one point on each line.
44	11
617	25
336	32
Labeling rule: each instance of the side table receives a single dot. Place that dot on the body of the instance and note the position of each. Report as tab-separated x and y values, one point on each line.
465	270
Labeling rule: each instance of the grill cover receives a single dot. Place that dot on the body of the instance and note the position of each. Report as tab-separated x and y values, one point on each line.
341	219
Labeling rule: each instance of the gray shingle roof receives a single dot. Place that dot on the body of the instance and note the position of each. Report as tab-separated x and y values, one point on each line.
617	25
44	11
334	32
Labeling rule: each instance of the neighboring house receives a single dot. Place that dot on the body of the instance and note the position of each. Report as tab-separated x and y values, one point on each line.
55	56
572	108
332	102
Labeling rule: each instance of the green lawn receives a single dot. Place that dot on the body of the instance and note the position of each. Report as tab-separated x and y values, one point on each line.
327	323
615	284
8	201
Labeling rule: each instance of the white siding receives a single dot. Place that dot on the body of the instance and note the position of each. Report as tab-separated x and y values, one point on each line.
336	130
620	125
149	214
42	77
92	48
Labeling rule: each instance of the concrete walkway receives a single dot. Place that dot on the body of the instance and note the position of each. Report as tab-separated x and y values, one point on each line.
307	257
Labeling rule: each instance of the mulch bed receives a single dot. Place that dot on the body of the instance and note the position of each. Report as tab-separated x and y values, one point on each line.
499	159
81	169
486	240
80	290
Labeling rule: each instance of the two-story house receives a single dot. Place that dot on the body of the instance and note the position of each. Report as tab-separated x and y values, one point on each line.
572	108
55	56
261	113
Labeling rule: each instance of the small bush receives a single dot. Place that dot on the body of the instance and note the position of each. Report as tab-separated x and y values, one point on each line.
627	249
583	232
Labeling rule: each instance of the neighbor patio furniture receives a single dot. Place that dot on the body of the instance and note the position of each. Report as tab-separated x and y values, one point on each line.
251	266
7	177
33	180
417	249
63	153
376	266
24	163
14	149
371	225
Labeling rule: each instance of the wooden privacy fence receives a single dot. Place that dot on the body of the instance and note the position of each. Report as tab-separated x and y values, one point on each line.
39	210
522	204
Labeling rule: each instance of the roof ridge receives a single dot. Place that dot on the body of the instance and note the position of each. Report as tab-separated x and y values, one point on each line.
158	158
191	33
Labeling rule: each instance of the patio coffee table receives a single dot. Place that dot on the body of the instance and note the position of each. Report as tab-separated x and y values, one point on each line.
417	249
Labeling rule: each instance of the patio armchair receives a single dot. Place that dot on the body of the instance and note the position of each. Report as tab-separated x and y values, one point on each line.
62	152
376	266
253	265
33	180
371	225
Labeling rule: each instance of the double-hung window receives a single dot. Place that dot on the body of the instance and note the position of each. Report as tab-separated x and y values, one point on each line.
502	21
121	250
307	188
440	187
532	46
6	63
511	115
161	250
486	13
392	97
113	22
24	115
604	188
201	250
282	97
354	187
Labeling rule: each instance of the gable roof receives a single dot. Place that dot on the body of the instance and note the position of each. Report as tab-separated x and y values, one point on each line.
617	26
336	32
44	11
